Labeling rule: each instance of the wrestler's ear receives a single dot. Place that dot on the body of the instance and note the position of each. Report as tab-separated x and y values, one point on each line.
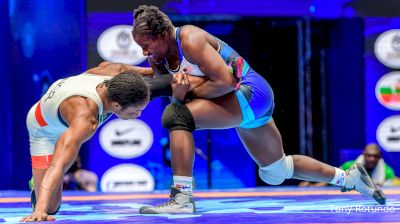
164	35
115	106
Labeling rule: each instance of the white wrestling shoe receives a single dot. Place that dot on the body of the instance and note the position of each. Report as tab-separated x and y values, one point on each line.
357	178
179	203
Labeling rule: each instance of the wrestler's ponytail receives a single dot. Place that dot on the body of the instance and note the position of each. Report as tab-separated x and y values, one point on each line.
149	20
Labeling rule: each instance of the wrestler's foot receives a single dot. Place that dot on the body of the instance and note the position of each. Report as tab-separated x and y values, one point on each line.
358	179
237	68
178	203
33	195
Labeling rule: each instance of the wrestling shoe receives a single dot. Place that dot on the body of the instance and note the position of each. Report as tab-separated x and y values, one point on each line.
179	203
33	195
358	179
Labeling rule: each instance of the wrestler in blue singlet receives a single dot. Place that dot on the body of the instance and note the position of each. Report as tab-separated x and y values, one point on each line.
255	96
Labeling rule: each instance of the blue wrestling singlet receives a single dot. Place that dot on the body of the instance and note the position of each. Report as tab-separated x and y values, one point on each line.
255	95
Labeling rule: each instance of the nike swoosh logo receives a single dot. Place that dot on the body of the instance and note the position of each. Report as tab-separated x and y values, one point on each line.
123	132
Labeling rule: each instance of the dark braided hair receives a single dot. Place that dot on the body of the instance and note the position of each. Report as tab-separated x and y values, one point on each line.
149	20
127	88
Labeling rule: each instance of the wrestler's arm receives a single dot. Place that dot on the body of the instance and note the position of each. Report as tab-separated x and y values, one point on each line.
104	64
159	79
199	51
82	124
160	84
113	69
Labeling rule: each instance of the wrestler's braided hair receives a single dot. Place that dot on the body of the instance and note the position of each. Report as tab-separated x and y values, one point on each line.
149	20
128	88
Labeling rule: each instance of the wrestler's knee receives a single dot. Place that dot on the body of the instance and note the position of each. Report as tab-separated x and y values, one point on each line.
177	117
278	171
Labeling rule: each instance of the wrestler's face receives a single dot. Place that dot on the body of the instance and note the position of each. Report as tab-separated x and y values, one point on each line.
130	112
155	48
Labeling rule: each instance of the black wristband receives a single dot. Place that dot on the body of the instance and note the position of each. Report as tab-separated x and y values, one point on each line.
176	100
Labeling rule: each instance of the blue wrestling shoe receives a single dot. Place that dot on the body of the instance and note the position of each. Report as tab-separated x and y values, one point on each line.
357	178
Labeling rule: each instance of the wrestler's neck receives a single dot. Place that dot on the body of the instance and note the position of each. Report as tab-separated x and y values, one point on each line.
102	91
172	53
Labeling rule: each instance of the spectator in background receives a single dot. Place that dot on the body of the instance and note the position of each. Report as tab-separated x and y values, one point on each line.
77	178
380	172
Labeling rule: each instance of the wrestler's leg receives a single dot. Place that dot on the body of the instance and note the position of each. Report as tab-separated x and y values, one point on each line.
264	144
220	113
41	149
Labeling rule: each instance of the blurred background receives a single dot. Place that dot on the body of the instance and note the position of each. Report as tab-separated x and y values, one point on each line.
334	67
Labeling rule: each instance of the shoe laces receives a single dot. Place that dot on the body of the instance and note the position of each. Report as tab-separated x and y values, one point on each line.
363	188
344	188
171	201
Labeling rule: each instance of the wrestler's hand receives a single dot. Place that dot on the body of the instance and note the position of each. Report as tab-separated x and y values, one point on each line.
180	86
38	216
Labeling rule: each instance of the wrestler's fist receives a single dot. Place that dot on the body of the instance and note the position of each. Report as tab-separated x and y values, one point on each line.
180	86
